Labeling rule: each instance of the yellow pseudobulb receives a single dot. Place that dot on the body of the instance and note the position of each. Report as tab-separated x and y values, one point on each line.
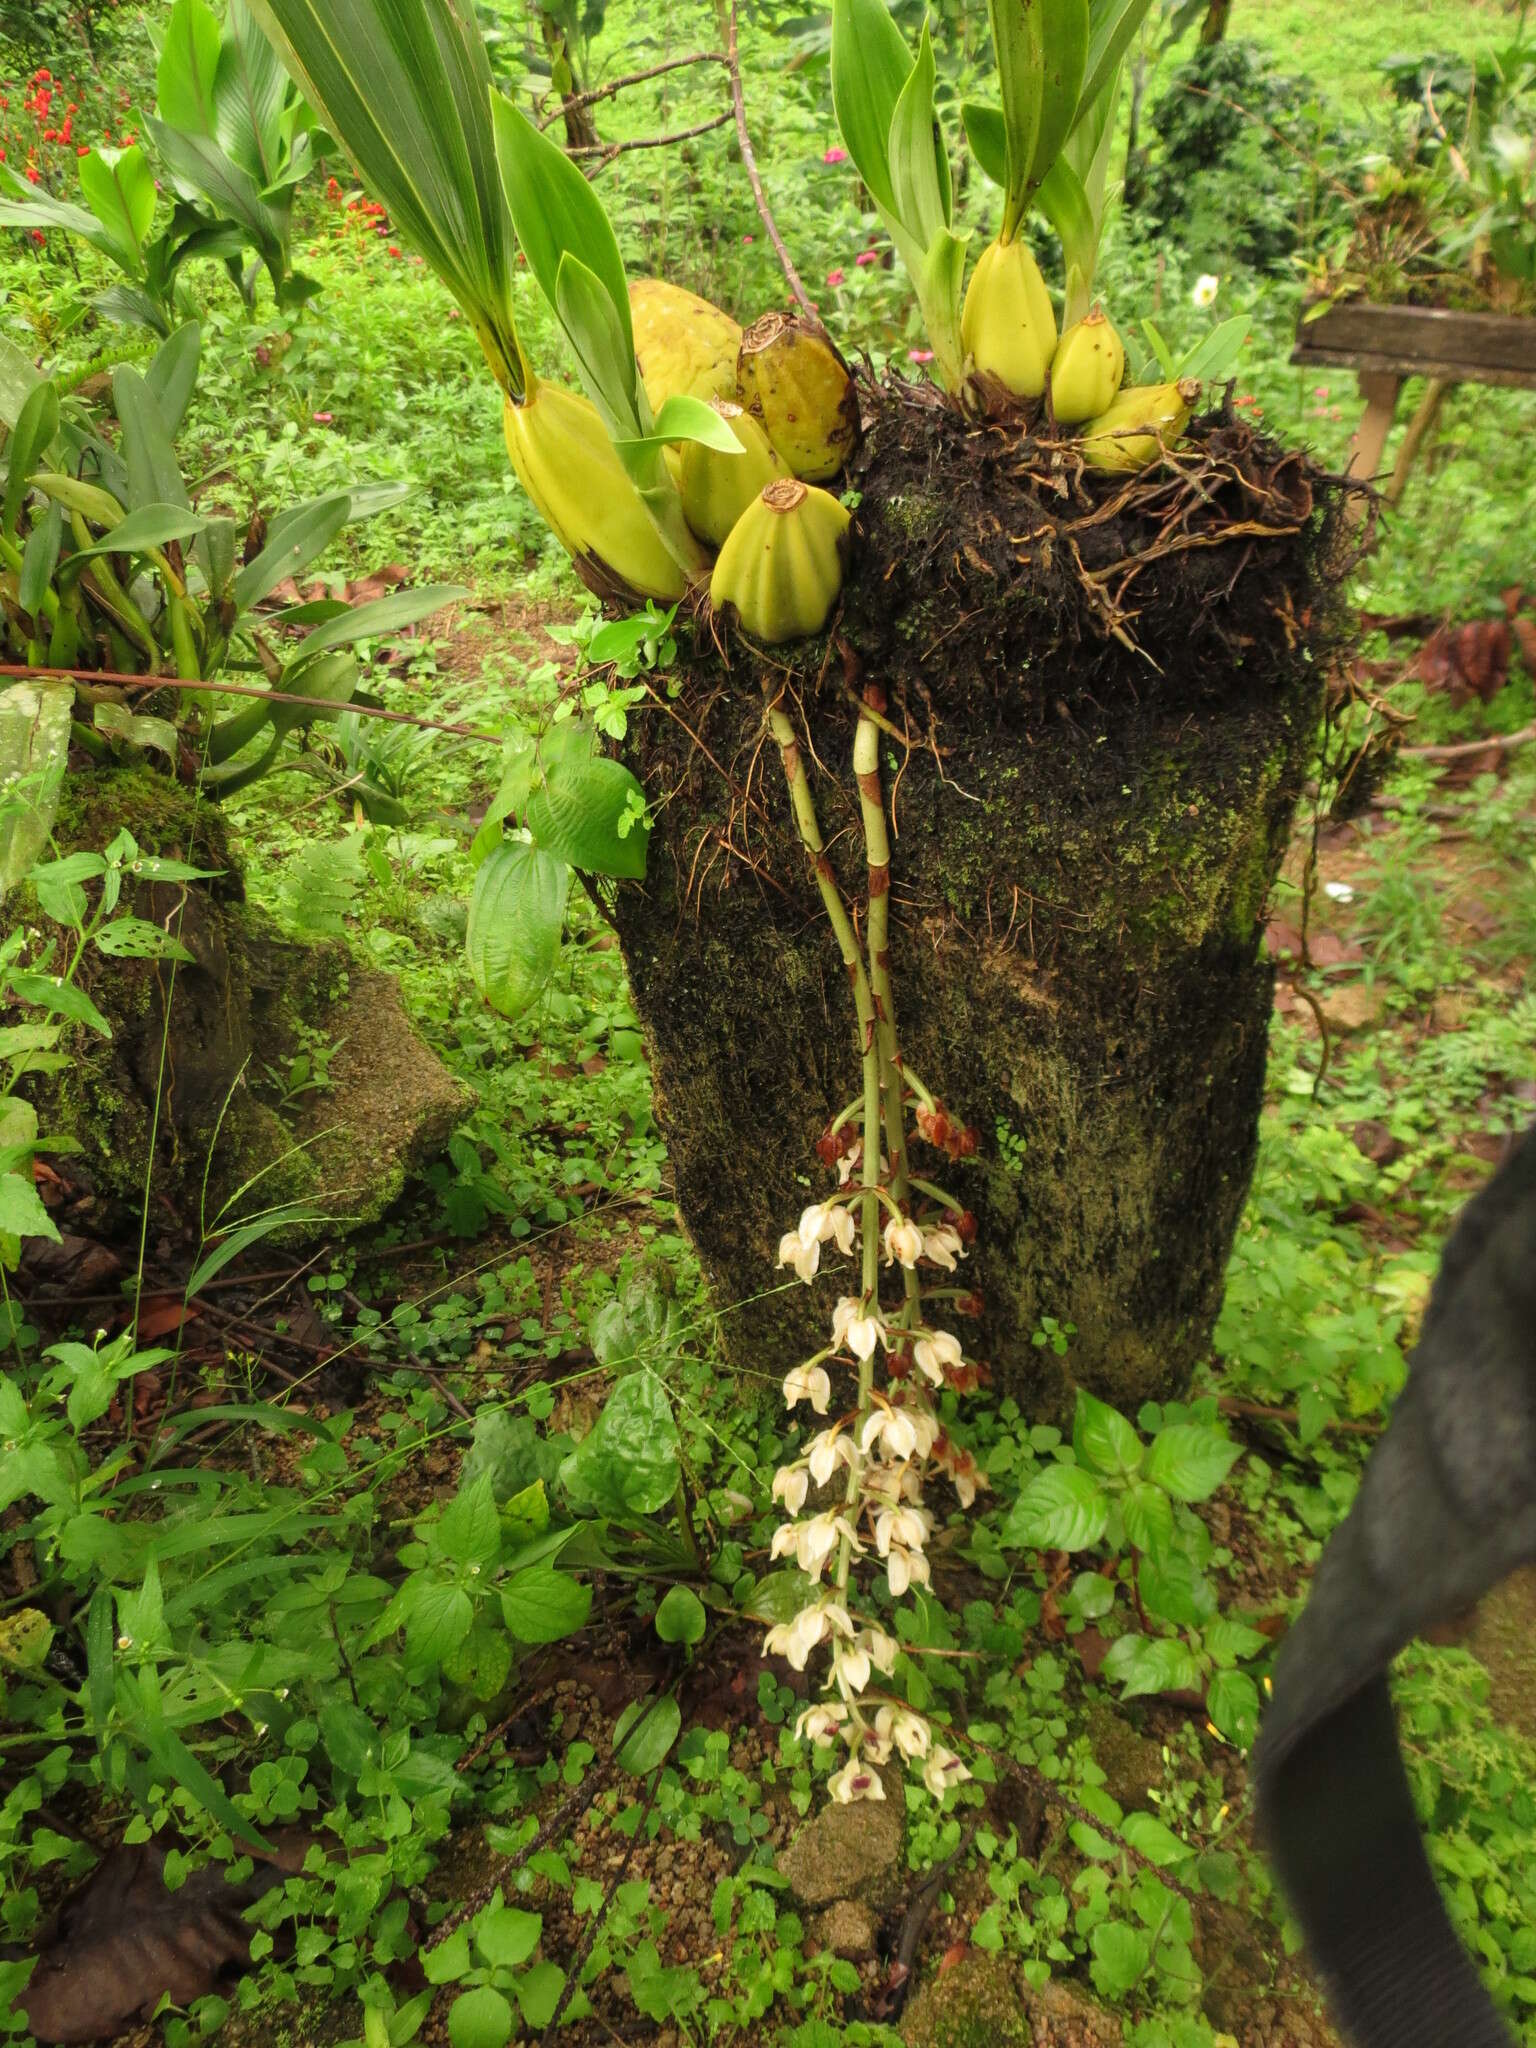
685	346
565	462
1008	325
781	568
798	385
717	488
1087	370
1139	426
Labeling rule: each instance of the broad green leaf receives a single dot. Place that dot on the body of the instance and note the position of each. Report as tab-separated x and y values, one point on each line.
188	68
1233	1705
681	1618
516	916
554	211
604	353
1065	56
1064	201
919	164
538	1993
405	88
135	938
542	1605
21	1209
137	729
1174	1589
1150	1664
1191	1459
437	1619
480	2018
1227	1640
469	1530
1064	1508
577	812
31	206
154	474
379	619
292	544
33	436
506	1935
870	65
1103	1439
1018	48
172	375
645	1732
249	89
202	171
1214	359
34	749
1148	1516
627	1464
129	307
1122	1955
448	1960
61	999
329	682
1155	1840
151	526
18	374
119	189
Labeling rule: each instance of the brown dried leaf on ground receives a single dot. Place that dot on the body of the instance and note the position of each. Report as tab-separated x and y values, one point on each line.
123	1941
1469	661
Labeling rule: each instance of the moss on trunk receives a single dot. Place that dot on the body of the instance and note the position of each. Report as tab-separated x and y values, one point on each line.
1086	836
181	1101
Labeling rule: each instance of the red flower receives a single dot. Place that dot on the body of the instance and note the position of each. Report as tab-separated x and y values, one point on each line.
865	257
834	277
394	249
84	149
45	74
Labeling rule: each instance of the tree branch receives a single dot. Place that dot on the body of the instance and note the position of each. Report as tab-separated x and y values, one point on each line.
748	157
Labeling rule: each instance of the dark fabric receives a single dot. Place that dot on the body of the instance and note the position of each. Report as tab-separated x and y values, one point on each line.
1446	1509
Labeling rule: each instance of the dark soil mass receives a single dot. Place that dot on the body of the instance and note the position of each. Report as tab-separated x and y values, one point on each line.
1103	694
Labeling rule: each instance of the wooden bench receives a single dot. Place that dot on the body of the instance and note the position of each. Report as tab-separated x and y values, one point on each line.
1386	345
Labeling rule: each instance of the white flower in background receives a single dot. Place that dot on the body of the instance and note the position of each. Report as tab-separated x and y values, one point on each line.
850	1163
1206	287
826	1452
905	1569
942	1770
1338	892
903	1241
910	1732
812	1543
822	1223
821	1722
791	1483
907	1526
856	1781
808	1383
936	1353
861	1332
943	1246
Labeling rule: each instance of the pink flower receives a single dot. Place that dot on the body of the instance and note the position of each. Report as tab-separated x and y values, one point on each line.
835	155
749	238
323	419
867	256
834	277
919	355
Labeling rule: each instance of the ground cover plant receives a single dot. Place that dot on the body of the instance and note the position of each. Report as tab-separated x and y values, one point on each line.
382	1610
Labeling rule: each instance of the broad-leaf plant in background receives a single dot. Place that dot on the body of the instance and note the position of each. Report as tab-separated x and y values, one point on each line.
231	142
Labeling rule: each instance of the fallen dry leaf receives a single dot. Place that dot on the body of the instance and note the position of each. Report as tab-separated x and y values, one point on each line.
122	1942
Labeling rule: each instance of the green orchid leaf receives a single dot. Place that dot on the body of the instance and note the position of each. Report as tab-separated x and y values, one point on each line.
35	429
870	65
604	353
1018	48
919	164
987	135
405	87
1113	27
555	212
1065	57
189	68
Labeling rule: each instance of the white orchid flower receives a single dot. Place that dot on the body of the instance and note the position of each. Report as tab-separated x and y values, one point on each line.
1207	285
907	1526
937	1353
943	1246
808	1383
855	1781
821	1722
905	1569
903	1241
805	1258
850	1669
813	1542
791	1483
880	1648
942	1770
826	1452
908	1731
861	1332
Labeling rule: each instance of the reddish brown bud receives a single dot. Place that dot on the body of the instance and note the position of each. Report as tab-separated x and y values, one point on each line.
970	1305
934	1125
968	1144
966	1227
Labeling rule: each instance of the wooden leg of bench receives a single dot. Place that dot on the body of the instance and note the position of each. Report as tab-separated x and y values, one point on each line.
1420	427
1381	391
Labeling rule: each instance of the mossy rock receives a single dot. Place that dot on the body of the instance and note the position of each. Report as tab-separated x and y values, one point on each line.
191	1077
1086	834
849	1852
983	2002
1132	1763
